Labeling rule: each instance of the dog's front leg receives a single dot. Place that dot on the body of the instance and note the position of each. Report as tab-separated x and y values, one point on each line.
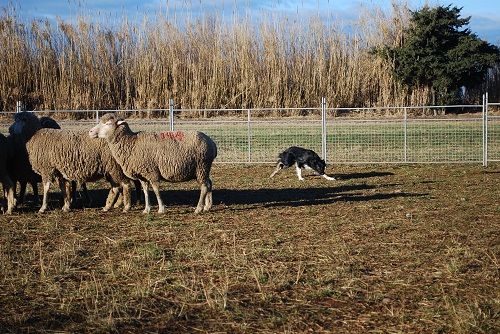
299	172
329	178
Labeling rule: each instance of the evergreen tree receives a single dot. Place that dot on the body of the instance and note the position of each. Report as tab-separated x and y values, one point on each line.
440	53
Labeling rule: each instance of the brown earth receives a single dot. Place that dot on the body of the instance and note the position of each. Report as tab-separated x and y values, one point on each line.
384	249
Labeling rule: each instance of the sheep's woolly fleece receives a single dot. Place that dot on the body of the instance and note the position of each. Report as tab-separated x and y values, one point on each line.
56	154
152	157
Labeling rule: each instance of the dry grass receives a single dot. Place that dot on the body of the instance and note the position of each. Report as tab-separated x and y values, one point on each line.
384	249
203	63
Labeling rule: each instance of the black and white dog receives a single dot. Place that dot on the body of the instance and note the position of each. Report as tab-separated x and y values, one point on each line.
302	158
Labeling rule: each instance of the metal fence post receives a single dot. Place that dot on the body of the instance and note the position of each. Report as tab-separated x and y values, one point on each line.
323	128
485	162
171	114
405	136
19	106
97	116
249	136
484	130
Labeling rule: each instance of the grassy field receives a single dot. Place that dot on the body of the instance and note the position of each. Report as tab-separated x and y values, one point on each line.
348	140
384	249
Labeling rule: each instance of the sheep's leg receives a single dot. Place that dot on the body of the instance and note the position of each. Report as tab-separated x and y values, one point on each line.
278	168
208	197
204	188
299	172
34	186
156	189
138	193
22	192
147	206
119	201
10	198
73	191
8	190
127	202
66	191
46	187
113	193
86	195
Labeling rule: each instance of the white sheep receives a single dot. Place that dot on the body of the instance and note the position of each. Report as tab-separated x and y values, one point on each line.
152	157
18	165
69	156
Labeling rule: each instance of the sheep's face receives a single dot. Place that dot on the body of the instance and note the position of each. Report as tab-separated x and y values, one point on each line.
25	123
16	128
104	129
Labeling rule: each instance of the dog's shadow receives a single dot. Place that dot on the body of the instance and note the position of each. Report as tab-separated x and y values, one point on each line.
295	197
363	175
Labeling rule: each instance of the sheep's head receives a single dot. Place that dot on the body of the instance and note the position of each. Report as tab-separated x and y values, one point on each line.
106	127
25	124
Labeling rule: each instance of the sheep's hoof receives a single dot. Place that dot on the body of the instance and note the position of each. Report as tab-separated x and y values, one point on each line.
146	210
161	209
65	209
42	210
105	209
198	210
126	209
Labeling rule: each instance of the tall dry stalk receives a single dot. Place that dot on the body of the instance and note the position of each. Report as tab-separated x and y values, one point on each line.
206	62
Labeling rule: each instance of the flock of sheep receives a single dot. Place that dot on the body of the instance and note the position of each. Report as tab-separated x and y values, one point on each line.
37	150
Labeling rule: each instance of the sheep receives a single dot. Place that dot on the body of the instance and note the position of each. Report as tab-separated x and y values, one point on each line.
20	170
18	164
152	157
65	155
50	123
7	184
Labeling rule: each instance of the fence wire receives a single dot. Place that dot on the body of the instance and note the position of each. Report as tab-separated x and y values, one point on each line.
493	138
259	135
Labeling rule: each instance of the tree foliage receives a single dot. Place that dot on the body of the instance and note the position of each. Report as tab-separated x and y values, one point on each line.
440	53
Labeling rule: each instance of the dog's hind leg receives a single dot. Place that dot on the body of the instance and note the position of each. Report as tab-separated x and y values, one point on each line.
299	172
278	168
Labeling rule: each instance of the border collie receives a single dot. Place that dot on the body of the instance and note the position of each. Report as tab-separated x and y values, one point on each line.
302	158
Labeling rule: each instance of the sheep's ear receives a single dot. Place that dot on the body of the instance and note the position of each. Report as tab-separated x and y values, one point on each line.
120	122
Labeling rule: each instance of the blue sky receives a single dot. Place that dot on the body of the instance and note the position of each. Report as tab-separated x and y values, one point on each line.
485	14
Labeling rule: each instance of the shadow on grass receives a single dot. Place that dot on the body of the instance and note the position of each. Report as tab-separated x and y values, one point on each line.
295	197
360	175
271	197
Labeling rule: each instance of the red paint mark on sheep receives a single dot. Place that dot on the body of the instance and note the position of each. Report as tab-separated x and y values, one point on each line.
176	135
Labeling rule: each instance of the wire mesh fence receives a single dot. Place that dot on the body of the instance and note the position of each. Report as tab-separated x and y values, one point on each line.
341	135
492	150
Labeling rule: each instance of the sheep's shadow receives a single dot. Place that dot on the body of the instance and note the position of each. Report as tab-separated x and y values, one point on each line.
270	197
275	197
